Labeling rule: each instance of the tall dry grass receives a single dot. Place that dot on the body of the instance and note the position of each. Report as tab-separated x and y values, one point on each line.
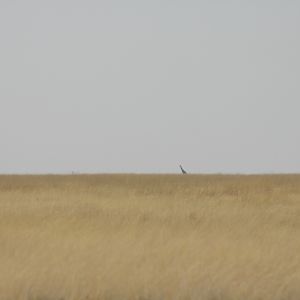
149	237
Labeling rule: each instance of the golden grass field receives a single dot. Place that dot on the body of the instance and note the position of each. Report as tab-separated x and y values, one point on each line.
150	237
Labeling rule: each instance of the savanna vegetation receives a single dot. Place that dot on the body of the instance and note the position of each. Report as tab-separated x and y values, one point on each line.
150	237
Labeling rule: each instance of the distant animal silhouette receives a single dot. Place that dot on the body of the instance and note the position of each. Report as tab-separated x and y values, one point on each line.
182	170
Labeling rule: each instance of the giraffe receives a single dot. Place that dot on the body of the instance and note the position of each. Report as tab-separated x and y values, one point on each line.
182	170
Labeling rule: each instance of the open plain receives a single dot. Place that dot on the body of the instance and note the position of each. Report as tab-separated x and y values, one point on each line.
150	237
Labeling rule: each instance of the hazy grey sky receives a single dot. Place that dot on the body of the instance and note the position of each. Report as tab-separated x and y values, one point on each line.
141	86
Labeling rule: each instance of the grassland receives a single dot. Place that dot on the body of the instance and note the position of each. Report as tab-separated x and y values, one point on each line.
149	237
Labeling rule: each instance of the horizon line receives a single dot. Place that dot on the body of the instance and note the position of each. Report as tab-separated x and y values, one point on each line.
148	173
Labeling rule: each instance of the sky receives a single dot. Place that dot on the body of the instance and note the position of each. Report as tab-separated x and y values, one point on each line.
143	86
